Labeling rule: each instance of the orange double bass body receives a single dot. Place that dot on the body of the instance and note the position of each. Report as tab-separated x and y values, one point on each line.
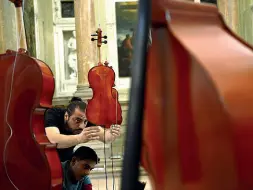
199	95
28	160
104	108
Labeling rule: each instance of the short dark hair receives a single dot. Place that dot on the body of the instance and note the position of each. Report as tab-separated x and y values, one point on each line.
76	102
141	185
75	99
86	153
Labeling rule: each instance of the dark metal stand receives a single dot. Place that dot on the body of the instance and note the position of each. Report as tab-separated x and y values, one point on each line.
129	180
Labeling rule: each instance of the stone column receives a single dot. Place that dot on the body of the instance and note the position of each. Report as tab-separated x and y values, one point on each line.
85	26
8	33
245	20
228	9
2	47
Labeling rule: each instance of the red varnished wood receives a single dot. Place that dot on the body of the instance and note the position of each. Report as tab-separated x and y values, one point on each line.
199	97
103	108
27	165
40	136
17	3
28	160
115	93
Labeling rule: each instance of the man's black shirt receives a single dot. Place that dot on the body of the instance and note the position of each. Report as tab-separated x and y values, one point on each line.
54	117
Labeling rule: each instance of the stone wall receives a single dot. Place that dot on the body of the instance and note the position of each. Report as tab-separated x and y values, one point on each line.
238	16
8	32
245	20
44	29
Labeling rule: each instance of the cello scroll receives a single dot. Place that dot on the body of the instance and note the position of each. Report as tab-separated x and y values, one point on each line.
99	42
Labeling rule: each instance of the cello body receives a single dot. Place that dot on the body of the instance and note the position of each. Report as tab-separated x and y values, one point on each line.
199	95
104	108
28	160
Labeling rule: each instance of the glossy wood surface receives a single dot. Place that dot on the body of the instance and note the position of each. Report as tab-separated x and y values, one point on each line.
198	128
28	160
104	108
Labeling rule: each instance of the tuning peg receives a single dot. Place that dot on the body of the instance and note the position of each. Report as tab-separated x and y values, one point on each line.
105	37
105	42
94	35
106	63
93	39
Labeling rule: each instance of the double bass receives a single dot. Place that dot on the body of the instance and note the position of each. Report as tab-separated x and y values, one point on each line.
28	160
103	108
190	119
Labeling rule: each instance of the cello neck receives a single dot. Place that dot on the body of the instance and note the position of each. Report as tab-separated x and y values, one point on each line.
99	42
21	37
99	55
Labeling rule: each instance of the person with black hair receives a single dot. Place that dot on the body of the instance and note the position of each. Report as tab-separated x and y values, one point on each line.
69	127
77	170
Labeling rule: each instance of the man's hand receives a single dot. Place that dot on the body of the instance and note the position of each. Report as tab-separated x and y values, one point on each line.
109	135
88	134
115	130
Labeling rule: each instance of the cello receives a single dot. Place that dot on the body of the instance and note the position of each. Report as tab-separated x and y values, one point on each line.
196	78
28	160
103	108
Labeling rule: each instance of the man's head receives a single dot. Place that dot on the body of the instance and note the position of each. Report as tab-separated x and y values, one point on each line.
75	116
83	161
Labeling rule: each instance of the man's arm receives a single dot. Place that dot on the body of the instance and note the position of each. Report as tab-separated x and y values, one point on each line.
52	123
66	141
129	45
62	141
109	135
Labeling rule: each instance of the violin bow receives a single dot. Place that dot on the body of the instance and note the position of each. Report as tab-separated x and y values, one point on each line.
132	153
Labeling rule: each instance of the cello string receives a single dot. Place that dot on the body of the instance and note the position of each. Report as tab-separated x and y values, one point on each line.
116	122
116	111
113	178
122	156
105	162
10	96
106	177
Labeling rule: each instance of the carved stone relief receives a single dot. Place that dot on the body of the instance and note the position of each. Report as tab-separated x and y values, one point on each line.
70	54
